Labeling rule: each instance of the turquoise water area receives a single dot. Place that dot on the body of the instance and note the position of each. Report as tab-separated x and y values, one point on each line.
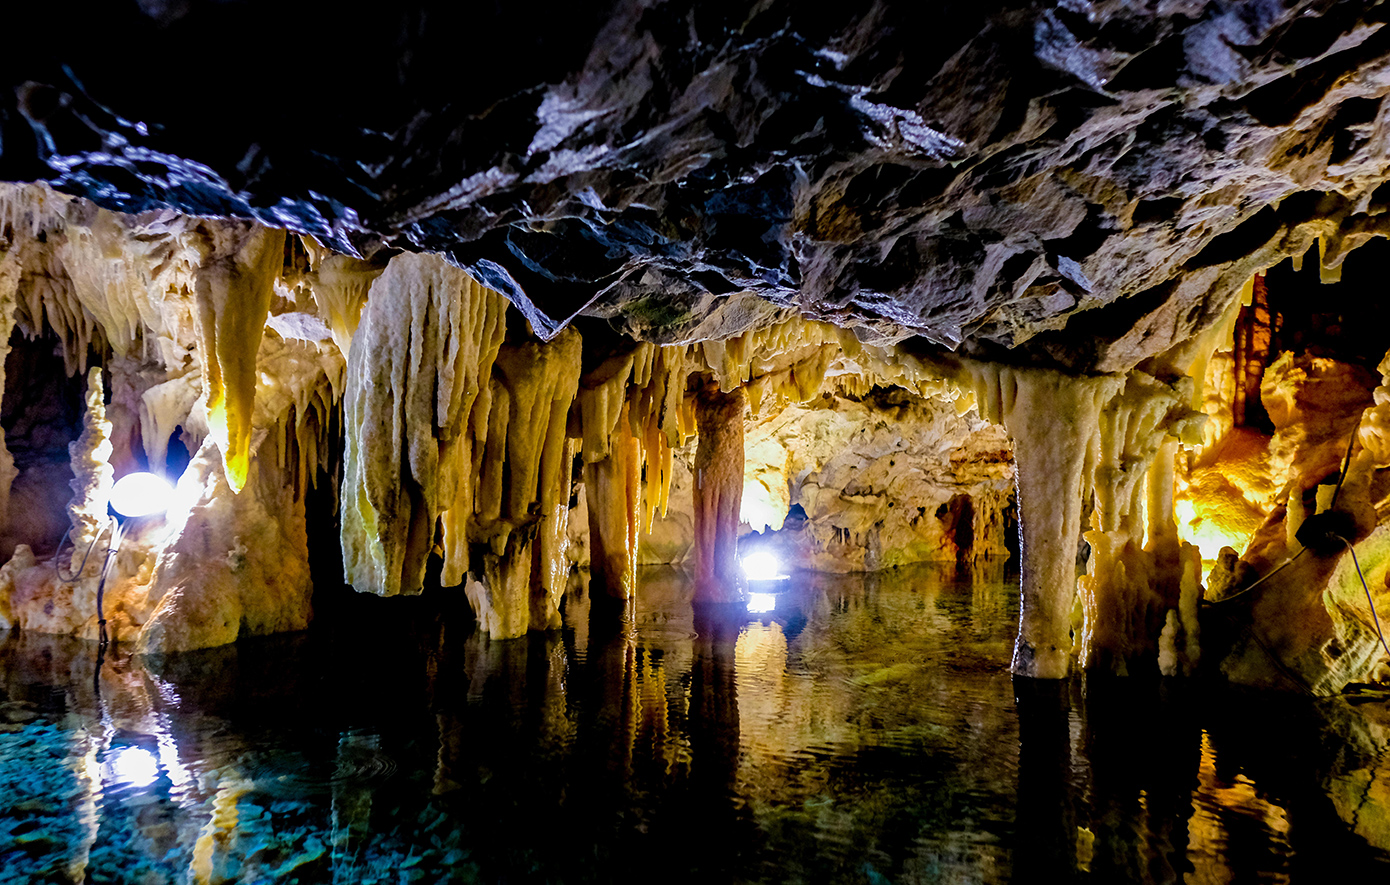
865	729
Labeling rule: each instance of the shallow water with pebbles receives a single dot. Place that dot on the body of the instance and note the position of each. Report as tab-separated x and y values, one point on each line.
863	729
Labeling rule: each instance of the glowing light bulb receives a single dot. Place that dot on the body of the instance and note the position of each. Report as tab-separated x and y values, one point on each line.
140	494
762	566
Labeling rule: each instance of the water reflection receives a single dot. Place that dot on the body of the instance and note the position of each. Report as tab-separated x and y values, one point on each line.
864	729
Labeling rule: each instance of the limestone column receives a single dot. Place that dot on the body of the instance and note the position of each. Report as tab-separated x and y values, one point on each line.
614	490
718	493
1053	419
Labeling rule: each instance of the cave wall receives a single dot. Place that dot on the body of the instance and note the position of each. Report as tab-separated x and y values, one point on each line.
883	478
1050	213
461	435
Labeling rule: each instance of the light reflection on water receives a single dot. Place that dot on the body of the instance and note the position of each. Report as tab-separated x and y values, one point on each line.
863	730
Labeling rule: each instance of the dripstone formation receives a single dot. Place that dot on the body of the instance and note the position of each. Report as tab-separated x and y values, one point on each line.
460	264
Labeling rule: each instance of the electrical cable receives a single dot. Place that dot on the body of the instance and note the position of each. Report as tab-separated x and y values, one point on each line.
1277	569
1346	464
1341	478
101	584
57	560
1369	600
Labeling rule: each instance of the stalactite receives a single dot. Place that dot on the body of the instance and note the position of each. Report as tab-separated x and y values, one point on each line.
718	494
294	404
552	564
632	413
521	522
1133	581
419	361
11	266
1329	269
1053	419
612	485
612	454
48	300
604	396
340	287
235	282
737	361
114	276
1251	351
654	419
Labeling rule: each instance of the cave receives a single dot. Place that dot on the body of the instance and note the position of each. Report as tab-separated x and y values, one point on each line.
738	442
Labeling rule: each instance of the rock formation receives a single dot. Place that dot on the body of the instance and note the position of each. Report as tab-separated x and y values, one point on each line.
457	304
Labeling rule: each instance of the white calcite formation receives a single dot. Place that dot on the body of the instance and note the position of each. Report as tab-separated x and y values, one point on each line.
443	427
422	356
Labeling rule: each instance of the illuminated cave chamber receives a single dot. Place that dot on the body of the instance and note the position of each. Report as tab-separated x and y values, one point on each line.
446	431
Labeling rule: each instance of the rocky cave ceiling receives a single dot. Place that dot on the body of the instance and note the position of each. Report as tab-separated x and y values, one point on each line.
1079	184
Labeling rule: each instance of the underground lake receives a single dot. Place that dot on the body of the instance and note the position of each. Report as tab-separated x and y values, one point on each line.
864	729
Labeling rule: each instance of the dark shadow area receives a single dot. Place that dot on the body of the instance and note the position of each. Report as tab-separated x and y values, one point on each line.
1333	320
41	413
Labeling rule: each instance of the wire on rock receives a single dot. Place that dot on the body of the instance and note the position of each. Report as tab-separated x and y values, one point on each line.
57	560
1279	568
1375	618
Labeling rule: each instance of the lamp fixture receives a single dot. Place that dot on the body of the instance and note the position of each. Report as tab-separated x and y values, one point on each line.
140	494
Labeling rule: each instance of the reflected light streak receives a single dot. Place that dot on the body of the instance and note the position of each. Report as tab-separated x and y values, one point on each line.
761	602
132	767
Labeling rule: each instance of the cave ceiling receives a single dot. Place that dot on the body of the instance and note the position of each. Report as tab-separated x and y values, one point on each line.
1081	184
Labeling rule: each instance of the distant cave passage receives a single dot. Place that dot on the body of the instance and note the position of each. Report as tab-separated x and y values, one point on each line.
958	525
41	413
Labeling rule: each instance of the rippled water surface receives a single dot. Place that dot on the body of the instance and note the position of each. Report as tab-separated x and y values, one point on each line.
864	730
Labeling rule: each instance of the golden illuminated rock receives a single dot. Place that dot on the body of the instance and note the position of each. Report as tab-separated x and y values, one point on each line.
237	266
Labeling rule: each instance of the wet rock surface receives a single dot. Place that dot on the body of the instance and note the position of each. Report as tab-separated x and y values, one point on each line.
1084	183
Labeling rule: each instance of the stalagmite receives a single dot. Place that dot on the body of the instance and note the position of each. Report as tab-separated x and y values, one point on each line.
718	492
92	472
235	282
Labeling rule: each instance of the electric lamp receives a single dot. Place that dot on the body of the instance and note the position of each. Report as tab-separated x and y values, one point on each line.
133	496
140	494
762	566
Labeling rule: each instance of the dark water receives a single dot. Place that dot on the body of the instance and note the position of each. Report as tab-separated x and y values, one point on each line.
866	730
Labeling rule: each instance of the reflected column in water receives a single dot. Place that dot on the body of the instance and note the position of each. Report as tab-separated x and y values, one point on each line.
515	686
713	727
1141	752
1047	835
